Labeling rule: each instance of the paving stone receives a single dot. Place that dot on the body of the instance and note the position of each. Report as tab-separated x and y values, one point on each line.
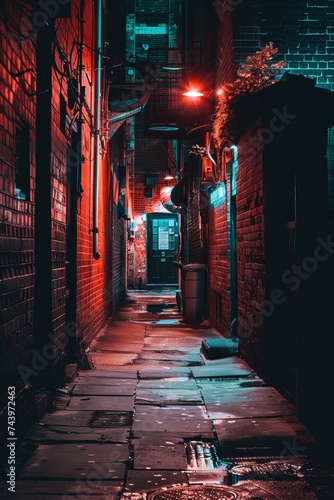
67	418
40	489
80	461
149	480
106	345
247	435
105	374
116	359
155	343
71	433
103	390
243	410
102	403
175	356
160	457
102	382
178	436
231	384
110	366
223	370
162	373
186	420
168	396
237	395
158	438
113	418
168	383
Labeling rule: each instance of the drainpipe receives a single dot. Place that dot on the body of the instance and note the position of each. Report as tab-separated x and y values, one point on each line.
97	100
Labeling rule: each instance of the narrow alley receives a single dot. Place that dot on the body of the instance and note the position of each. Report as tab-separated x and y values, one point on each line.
155	419
166	249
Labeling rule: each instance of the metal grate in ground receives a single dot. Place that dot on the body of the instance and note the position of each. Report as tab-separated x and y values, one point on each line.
110	418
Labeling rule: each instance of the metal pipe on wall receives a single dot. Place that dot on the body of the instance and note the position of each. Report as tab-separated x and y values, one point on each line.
97	121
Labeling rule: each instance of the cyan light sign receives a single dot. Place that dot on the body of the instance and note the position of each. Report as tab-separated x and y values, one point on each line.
218	196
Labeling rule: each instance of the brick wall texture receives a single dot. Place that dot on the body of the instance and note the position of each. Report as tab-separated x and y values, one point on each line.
303	33
100	284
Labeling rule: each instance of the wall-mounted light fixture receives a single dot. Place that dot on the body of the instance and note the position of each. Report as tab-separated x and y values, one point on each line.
168	176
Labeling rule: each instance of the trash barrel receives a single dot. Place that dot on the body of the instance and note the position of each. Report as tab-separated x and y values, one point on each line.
194	292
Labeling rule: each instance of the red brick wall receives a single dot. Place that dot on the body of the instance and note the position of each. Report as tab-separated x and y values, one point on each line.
218	275
303	32
100	283
250	252
250	249
16	216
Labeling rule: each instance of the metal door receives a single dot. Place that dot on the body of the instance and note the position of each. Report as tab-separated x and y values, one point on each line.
162	248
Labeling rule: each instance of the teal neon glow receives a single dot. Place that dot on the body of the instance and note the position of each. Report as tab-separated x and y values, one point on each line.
218	196
234	170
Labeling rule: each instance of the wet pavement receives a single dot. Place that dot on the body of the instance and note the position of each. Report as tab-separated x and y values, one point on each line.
155	420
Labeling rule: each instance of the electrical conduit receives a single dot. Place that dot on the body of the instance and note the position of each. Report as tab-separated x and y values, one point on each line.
97	101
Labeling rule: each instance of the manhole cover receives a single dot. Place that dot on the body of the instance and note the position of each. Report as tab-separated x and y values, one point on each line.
195	493
110	418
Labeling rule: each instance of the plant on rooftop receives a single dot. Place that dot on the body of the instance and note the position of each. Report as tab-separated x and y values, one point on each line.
258	71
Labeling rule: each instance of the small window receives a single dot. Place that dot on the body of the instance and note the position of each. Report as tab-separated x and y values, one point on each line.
22	163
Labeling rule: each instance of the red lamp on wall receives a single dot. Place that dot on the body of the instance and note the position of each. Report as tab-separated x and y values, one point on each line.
193	93
168	176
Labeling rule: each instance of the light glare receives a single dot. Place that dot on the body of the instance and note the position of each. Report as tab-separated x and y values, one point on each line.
193	93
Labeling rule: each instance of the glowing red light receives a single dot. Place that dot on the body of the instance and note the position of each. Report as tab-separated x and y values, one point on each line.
193	93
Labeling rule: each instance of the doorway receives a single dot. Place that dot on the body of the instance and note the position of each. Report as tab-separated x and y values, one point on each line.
162	248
